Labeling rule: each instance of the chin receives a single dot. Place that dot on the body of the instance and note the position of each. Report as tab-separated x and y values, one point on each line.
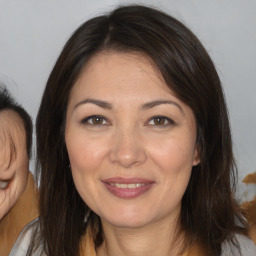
126	221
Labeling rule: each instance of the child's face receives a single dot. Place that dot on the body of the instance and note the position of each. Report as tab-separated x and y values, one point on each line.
14	162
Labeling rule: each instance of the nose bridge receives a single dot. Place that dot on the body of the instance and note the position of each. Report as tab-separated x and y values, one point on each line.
127	149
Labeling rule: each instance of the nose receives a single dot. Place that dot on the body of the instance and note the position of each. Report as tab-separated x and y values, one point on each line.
127	149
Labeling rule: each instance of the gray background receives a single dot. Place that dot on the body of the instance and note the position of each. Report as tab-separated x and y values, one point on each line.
32	34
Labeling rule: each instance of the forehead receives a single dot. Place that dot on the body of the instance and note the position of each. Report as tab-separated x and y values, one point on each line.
111	73
11	129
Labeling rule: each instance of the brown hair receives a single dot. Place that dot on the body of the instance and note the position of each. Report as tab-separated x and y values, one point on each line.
209	213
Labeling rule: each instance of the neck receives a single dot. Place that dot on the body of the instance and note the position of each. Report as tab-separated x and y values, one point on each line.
156	239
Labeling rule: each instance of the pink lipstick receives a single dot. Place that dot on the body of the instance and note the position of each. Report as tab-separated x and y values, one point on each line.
127	188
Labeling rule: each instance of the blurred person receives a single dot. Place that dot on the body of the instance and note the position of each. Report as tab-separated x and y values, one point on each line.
249	204
18	194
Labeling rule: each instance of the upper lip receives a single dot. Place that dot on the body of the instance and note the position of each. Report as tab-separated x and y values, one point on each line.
7	178
122	180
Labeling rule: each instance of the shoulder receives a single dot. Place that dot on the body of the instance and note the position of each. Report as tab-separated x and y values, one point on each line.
29	234
246	245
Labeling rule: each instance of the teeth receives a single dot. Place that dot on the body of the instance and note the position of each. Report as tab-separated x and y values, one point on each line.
131	185
3	184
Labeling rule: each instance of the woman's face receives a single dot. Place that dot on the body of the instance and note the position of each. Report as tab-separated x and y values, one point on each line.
13	170
131	142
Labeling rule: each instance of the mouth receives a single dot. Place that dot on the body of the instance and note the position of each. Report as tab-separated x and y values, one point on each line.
4	184
127	188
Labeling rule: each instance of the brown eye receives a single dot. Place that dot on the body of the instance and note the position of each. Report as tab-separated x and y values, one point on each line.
94	120
159	121
97	120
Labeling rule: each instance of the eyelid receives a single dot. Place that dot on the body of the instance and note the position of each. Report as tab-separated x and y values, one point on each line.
170	121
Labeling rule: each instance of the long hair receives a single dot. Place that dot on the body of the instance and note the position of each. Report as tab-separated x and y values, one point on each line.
209	212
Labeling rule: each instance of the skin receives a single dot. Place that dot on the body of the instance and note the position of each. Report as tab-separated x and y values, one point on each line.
15	172
129	141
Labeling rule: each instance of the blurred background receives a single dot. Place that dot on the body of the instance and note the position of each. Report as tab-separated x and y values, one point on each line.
32	34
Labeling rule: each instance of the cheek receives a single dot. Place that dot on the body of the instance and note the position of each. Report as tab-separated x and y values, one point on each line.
5	204
20	181
22	170
11	195
174	159
85	159
175	165
85	154
173	154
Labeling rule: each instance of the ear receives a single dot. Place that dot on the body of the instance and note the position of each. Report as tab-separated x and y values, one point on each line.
196	157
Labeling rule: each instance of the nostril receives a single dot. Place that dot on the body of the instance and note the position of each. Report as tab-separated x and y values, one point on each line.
127	149
128	159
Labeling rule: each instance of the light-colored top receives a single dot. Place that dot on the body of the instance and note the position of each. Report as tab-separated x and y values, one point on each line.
248	248
19	216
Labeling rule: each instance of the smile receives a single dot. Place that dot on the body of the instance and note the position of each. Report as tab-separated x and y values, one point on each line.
129	186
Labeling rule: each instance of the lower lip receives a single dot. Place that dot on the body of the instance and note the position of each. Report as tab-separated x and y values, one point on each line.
127	193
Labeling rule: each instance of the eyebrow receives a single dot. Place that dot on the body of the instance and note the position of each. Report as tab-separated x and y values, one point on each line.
100	103
109	106
160	102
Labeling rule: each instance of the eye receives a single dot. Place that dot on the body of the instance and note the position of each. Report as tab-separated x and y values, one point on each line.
160	121
95	120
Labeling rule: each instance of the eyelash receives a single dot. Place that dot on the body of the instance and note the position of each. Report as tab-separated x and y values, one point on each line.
86	121
89	121
167	121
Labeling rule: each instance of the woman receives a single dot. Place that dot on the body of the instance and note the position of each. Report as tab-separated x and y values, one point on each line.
134	145
18	195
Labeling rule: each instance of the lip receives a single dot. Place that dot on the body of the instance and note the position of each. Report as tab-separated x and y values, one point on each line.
7	177
118	186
